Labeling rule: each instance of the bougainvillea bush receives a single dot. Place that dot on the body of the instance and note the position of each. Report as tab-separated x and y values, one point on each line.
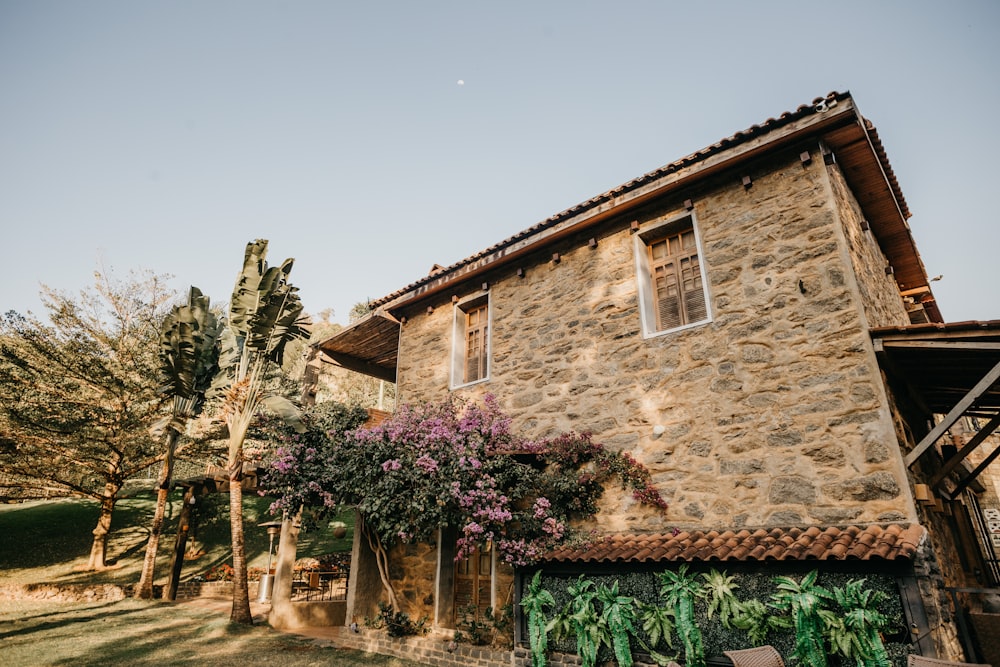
453	464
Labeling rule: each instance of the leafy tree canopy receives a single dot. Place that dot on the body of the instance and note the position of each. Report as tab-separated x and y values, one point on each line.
78	394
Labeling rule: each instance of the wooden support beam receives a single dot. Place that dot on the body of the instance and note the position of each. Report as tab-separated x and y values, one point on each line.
360	366
976	472
886	362
939	345
974	442
967	401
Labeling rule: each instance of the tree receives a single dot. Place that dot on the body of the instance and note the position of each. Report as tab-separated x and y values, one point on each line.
265	314
189	358
78	394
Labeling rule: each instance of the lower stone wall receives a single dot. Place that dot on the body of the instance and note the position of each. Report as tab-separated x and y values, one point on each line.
212	589
430	650
443	652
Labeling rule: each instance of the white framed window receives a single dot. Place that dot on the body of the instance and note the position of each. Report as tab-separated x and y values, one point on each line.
470	350
673	290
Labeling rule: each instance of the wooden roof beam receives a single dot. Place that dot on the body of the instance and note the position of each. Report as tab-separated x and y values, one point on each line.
953	416
974	442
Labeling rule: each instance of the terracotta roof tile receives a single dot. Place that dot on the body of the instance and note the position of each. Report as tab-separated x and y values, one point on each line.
871	542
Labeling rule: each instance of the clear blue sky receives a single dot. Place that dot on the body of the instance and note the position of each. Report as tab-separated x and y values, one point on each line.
165	135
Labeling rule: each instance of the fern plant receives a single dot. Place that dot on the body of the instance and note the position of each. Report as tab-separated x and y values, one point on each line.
756	619
679	591
720	589
855	634
803	602
618	612
534	602
580	619
657	623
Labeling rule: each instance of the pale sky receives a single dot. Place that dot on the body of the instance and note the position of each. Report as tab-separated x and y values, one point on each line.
165	135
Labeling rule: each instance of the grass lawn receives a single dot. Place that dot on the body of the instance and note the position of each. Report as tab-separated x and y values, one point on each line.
133	632
49	541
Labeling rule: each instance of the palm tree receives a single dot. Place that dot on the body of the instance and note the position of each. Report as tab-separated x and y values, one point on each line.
189	358
265	313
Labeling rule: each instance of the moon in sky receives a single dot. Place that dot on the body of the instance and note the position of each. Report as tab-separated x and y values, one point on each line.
461	82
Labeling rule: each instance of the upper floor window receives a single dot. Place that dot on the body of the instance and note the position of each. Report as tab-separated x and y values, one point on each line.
471	341
672	285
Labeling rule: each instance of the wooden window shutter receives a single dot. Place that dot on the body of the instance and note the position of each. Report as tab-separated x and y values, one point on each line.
679	294
476	337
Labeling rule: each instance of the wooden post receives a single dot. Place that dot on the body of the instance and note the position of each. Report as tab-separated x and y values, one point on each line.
180	544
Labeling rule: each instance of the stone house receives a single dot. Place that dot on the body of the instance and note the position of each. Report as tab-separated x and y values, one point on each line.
732	320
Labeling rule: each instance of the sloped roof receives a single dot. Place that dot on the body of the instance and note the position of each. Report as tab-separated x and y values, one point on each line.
835	118
873	542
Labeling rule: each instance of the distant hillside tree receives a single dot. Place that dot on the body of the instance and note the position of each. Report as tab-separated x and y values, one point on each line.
78	394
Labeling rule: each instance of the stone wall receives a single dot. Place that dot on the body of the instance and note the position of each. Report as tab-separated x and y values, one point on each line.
877	290
773	411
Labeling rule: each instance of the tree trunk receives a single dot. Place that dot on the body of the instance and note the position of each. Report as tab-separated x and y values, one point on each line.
144	589
99	548
180	544
382	561
281	615
241	593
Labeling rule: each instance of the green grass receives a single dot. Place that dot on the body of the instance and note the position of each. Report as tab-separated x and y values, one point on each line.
133	632
49	541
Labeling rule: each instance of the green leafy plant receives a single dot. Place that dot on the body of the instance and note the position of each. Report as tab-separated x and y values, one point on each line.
679	591
579	618
398	623
803	602
534	601
482	627
721	591
619	615
658	624
755	618
855	634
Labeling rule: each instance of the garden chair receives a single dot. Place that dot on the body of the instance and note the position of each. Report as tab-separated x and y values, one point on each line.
921	661
762	656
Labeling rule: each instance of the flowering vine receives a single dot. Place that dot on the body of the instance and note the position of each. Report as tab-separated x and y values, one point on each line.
450	464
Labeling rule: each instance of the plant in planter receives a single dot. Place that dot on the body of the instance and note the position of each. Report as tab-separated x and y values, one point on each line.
618	613
679	591
657	623
855	634
756	619
580	619
720	589
803	602
534	601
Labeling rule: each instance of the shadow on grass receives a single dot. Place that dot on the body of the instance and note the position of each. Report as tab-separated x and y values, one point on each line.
59	620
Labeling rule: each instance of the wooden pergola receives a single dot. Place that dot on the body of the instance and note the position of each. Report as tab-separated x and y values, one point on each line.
951	370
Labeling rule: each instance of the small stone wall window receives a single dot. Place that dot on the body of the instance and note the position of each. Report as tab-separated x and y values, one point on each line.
673	292
470	358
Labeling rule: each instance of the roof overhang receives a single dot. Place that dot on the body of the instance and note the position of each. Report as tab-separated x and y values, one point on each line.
368	346
946	369
888	542
833	121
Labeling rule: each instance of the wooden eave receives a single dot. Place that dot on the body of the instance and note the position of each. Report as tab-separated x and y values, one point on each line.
833	120
859	152
369	346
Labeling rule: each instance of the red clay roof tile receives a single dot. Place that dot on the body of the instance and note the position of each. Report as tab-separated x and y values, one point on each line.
883	542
